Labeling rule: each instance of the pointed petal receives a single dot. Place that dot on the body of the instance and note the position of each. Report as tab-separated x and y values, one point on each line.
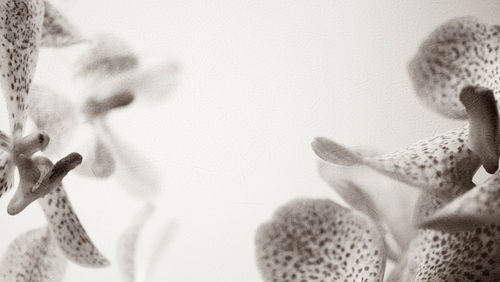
135	173
54	114
99	161
319	240
68	231
388	202
459	53
33	256
479	206
128	241
453	256
442	165
483	125
109	55
57	31
20	38
6	172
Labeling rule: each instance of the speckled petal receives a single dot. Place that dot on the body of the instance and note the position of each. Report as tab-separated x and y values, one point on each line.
108	55
459	53
459	256
442	165
6	172
127	244
309	240
68	231
33	257
20	38
479	206
57	30
53	114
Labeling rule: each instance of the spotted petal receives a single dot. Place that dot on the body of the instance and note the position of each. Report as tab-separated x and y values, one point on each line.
128	242
53	114
479	206
67	230
461	52
6	172
442	165
108	55
57	30
453	256
20	38
319	240
33	256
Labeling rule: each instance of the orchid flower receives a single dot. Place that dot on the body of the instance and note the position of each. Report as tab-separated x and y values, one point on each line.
114	80
457	235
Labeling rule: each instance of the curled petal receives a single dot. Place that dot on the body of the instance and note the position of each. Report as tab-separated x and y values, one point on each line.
479	206
459	53
128	241
109	55
20	38
57	31
33	256
319	240
453	256
30	144
53	114
442	165
67	230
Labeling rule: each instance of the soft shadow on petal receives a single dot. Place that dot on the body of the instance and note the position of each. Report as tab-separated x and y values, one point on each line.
6	172
159	244
99	160
54	114
319	240
68	231
479	206
127	244
57	31
33	256
442	165
459	53
20	38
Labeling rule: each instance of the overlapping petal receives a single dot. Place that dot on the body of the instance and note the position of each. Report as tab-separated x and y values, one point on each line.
461	52
67	230
319	240
33	257
20	38
442	165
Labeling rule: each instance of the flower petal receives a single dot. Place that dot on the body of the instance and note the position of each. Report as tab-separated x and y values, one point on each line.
68	231
57	30
20	38
33	256
109	55
99	161
461	52
388	202
6	172
128	241
479	206
442	165
458	256
319	240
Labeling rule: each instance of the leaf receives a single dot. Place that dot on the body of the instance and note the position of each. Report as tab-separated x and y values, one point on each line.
20	38
67	230
319	240
33	257
461	52
442	165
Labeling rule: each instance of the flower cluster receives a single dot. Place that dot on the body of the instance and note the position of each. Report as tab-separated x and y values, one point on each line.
449	232
114	78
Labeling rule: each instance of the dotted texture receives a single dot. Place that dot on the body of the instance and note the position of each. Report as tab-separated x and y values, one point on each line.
319	240
6	172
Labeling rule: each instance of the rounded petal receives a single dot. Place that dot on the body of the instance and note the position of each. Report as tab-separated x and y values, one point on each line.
33	256
20	38
319	240
67	230
461	52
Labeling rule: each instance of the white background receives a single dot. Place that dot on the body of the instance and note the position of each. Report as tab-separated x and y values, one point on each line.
260	79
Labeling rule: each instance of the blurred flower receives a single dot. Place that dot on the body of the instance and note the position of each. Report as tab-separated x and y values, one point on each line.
455	72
